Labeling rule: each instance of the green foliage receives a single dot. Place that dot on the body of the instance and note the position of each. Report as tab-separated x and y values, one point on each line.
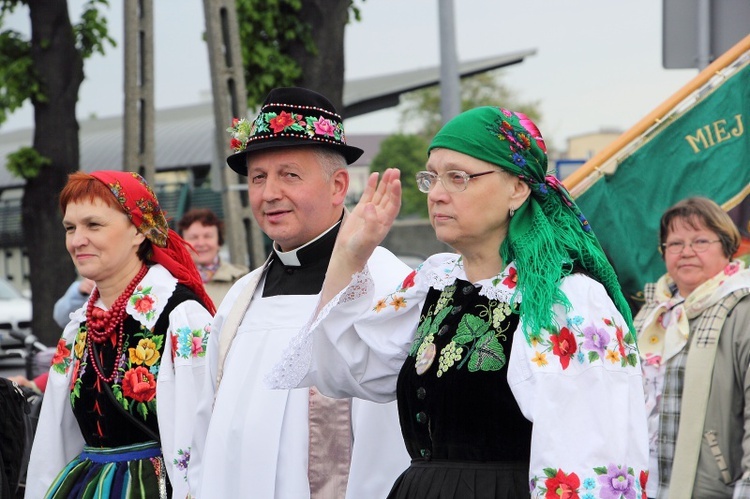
26	163
18	80
354	12
267	30
484	89
408	153
91	31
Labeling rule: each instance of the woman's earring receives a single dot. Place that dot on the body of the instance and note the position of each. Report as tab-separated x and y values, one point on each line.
511	212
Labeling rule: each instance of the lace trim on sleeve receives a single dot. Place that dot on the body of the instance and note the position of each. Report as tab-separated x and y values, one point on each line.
361	284
296	360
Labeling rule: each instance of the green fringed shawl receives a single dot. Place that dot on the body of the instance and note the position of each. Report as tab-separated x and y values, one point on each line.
548	236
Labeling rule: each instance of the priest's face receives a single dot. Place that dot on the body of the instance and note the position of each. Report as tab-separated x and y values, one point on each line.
293	195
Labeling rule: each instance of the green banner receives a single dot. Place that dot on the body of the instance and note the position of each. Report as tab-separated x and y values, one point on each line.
704	152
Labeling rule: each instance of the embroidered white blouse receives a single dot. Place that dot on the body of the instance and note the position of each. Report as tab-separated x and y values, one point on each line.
179	379
580	385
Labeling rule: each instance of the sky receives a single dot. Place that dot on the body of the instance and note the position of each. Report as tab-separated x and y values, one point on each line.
598	63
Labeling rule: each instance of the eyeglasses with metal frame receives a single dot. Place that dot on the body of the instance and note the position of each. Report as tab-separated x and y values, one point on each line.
452	180
677	247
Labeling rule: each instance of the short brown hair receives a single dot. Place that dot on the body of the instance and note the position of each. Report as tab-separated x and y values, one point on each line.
696	211
203	215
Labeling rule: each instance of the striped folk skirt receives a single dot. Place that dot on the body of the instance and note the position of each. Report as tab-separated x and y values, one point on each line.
131	471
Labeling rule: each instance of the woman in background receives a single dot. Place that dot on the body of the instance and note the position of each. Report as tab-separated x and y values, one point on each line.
205	232
694	338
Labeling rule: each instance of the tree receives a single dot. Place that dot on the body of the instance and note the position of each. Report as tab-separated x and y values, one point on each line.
48	70
408	153
294	43
483	89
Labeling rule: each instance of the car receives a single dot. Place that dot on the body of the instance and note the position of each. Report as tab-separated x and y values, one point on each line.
15	315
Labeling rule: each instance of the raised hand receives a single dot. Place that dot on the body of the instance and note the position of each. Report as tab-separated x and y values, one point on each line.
368	224
363	229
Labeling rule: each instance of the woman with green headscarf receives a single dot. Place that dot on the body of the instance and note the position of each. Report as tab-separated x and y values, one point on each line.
514	360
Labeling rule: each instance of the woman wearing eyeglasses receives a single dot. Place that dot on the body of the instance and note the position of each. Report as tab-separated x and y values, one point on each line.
694	340
513	360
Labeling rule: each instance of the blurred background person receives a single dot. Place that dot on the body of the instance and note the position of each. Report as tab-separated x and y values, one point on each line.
103	431
205	232
694	338
73	299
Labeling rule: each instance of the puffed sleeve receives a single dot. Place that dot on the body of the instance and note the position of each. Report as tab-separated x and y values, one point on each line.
57	439
581	387
179	385
359	340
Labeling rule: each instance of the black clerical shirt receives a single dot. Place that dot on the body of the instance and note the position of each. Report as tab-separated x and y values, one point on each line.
305	275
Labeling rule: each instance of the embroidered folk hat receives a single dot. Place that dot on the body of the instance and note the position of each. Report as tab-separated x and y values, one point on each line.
290	116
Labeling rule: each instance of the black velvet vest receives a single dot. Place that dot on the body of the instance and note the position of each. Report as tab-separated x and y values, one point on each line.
103	421
461	408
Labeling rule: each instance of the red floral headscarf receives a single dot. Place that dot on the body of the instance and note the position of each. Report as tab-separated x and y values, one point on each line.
139	202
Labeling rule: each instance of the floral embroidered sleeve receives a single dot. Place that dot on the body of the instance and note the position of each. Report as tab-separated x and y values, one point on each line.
359	340
180	382
581	387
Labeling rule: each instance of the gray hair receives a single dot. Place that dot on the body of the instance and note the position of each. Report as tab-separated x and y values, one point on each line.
330	160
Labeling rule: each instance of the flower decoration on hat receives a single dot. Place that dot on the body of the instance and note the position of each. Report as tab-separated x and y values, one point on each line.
266	125
289	117
241	130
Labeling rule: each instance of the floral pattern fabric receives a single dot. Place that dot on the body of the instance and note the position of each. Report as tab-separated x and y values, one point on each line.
169	362
580	384
312	125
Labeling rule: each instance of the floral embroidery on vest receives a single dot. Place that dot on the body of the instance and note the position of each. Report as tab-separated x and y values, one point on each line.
134	385
476	339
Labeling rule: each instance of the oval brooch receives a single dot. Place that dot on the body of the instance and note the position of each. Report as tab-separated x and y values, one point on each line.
424	361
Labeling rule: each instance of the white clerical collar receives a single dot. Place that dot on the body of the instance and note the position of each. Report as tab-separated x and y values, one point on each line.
291	258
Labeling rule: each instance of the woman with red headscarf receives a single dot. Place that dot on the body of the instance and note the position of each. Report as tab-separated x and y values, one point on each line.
117	416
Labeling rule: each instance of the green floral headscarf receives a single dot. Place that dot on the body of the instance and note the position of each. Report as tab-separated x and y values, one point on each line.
548	236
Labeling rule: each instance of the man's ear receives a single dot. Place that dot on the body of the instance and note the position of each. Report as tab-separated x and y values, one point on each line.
339	186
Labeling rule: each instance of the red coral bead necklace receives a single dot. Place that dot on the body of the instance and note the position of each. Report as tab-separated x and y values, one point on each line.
101	324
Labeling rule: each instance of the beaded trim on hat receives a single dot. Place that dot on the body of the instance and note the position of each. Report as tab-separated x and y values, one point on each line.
268	124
